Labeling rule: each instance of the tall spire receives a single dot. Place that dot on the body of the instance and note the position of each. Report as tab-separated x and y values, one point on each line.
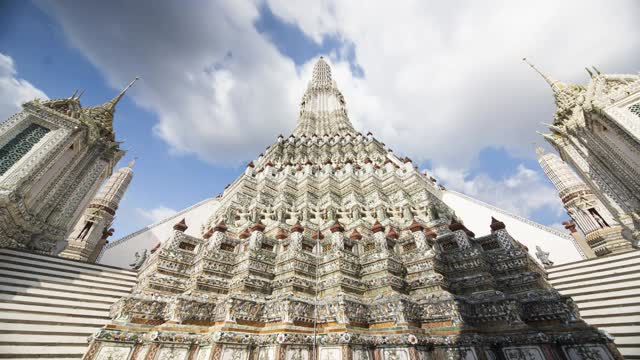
104	113
113	102
323	110
565	95
321	74
556	85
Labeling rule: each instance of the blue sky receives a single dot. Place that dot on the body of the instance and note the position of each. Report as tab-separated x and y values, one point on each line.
221	80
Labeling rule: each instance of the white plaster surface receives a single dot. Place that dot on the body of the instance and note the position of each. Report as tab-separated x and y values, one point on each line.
121	252
476	216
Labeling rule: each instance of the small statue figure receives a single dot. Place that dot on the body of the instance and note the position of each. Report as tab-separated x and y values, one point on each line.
139	260
331	214
432	212
543	256
407	215
355	213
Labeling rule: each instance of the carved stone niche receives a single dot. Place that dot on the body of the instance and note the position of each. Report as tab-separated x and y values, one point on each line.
462	353
297	353
395	354
587	352
204	353
523	353
330	353
171	352
267	353
361	353
234	352
114	352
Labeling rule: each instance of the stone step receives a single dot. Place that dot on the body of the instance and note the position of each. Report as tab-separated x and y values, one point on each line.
29	268
630	353
605	295
63	280
625	319
10	327
610	311
56	293
590	262
613	277
17	317
595	269
623	330
603	274
61	287
69	266
64	269
604	304
598	289
24	339
69	303
50	309
628	340
76	264
43	349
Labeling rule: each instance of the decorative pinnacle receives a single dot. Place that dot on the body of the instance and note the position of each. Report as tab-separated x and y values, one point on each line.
555	84
132	162
321	73
113	102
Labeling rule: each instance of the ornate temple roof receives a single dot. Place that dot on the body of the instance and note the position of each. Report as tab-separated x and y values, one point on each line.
103	113
99	118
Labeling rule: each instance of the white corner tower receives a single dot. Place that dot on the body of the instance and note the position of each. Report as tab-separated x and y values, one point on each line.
90	234
603	233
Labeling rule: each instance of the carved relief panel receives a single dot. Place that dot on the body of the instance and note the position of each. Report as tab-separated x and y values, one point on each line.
297	353
204	353
362	354
587	352
109	352
330	353
173	353
235	353
267	353
395	354
523	353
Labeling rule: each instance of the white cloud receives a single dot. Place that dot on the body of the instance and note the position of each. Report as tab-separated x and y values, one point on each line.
444	80
441	80
523	192
156	214
13	90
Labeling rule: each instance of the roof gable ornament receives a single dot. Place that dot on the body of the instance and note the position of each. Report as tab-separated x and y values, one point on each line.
565	94
103	114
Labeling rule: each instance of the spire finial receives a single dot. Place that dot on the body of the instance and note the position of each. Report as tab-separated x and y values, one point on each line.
132	163
116	99
552	82
589	72
539	150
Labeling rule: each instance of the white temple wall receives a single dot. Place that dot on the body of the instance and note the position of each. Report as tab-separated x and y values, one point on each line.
121	252
476	216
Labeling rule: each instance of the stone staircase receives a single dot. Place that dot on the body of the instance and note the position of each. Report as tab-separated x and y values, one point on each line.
50	305
607	291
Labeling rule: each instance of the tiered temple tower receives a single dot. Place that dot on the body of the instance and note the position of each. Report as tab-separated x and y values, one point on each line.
331	247
603	233
596	129
90	233
54	155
